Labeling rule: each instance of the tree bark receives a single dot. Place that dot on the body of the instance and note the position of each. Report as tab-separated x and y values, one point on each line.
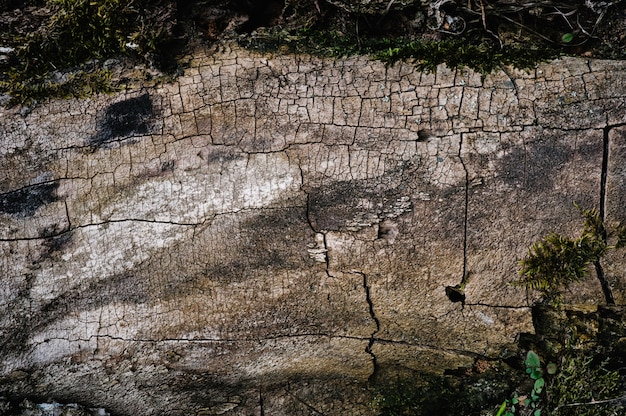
265	232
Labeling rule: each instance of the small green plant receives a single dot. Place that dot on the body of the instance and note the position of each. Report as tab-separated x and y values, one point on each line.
556	261
529	404
533	369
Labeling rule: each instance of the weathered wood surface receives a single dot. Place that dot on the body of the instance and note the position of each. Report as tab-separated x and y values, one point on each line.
264	233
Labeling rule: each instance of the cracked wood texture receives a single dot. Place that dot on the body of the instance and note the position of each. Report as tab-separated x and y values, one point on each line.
267	233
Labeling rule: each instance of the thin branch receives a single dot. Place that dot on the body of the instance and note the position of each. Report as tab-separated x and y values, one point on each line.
514	22
484	18
526	28
582	29
592	402
317	6
388	7
564	15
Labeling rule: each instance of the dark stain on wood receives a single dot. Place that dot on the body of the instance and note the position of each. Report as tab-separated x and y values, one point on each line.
124	119
25	201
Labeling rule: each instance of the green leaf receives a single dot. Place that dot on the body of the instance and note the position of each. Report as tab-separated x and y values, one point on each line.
535	374
539	383
537	412
502	409
567	38
532	360
551	368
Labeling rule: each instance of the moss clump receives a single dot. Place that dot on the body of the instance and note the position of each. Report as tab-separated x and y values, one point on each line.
581	381
482	57
556	261
426	55
55	59
77	84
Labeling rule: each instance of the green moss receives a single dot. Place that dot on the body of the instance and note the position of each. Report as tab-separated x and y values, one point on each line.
51	61
481	57
330	43
583	378
556	261
78	84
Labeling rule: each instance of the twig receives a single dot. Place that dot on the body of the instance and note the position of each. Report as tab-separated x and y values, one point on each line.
582	29
483	15
317	6
599	19
307	405
592	402
389	6
526	28
589	35
564	15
